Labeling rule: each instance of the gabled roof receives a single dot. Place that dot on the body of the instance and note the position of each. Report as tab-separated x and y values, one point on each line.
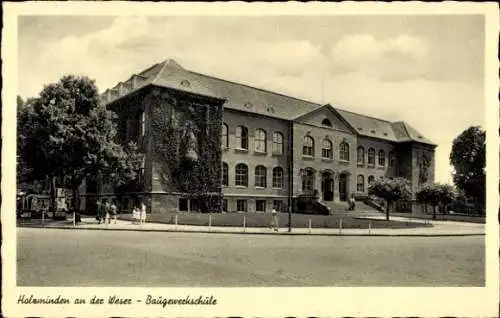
246	98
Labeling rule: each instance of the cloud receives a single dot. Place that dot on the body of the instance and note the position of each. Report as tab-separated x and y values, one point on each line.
393	59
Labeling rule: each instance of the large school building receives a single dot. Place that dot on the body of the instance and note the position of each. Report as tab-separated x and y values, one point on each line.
270	148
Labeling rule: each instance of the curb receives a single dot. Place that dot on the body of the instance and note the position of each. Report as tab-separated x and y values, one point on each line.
251	233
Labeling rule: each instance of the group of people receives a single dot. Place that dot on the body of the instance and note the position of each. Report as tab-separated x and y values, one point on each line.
139	214
106	211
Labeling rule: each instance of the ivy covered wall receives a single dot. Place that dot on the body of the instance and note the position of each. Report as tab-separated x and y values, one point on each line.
184	146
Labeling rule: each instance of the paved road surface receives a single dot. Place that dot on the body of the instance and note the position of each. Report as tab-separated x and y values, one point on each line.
52	257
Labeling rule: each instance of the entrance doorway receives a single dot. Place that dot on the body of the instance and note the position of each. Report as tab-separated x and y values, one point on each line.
327	186
343	187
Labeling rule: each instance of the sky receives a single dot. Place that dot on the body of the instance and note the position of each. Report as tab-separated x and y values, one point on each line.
427	70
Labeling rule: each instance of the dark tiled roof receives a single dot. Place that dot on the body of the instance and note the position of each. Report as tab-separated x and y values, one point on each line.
369	126
245	98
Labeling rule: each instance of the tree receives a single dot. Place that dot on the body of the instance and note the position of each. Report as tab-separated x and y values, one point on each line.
436	194
390	190
67	134
468	157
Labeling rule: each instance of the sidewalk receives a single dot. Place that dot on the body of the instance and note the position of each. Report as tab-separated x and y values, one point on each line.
438	229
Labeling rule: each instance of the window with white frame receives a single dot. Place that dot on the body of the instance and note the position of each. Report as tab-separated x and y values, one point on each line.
327	149
242	137
260	140
381	158
344	151
360	184
371	157
308	180
308	147
361	156
241	175
278	177
260	176
225	137
278	143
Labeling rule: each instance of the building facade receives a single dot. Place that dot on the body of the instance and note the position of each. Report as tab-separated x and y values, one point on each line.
257	149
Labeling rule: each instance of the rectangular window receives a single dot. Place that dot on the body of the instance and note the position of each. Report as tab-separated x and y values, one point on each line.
241	205
260	205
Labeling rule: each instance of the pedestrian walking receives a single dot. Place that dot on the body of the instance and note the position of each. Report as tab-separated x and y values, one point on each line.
274	223
352	203
107	211
114	210
135	215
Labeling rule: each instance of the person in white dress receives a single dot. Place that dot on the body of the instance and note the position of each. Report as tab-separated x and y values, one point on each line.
143	213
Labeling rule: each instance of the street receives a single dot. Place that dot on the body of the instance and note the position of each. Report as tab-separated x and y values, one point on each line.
52	257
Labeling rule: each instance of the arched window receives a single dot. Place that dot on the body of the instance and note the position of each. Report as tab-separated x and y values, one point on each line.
308	180
241	175
371	179
344	151
360	183
242	137
327	149
225	174
225	139
278	177
260	176
260	140
392	159
308	148
381	158
326	122
371	157
361	156
277	143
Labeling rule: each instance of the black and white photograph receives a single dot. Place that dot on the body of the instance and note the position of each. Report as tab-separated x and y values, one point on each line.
206	149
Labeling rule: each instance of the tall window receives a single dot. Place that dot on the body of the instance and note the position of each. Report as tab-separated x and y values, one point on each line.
371	179
344	151
260	140
278	177
360	184
308	148
260	176
225	138
381	158
361	156
241	175
371	157
225	174
327	150
242	137
308	180
277	143
392	159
